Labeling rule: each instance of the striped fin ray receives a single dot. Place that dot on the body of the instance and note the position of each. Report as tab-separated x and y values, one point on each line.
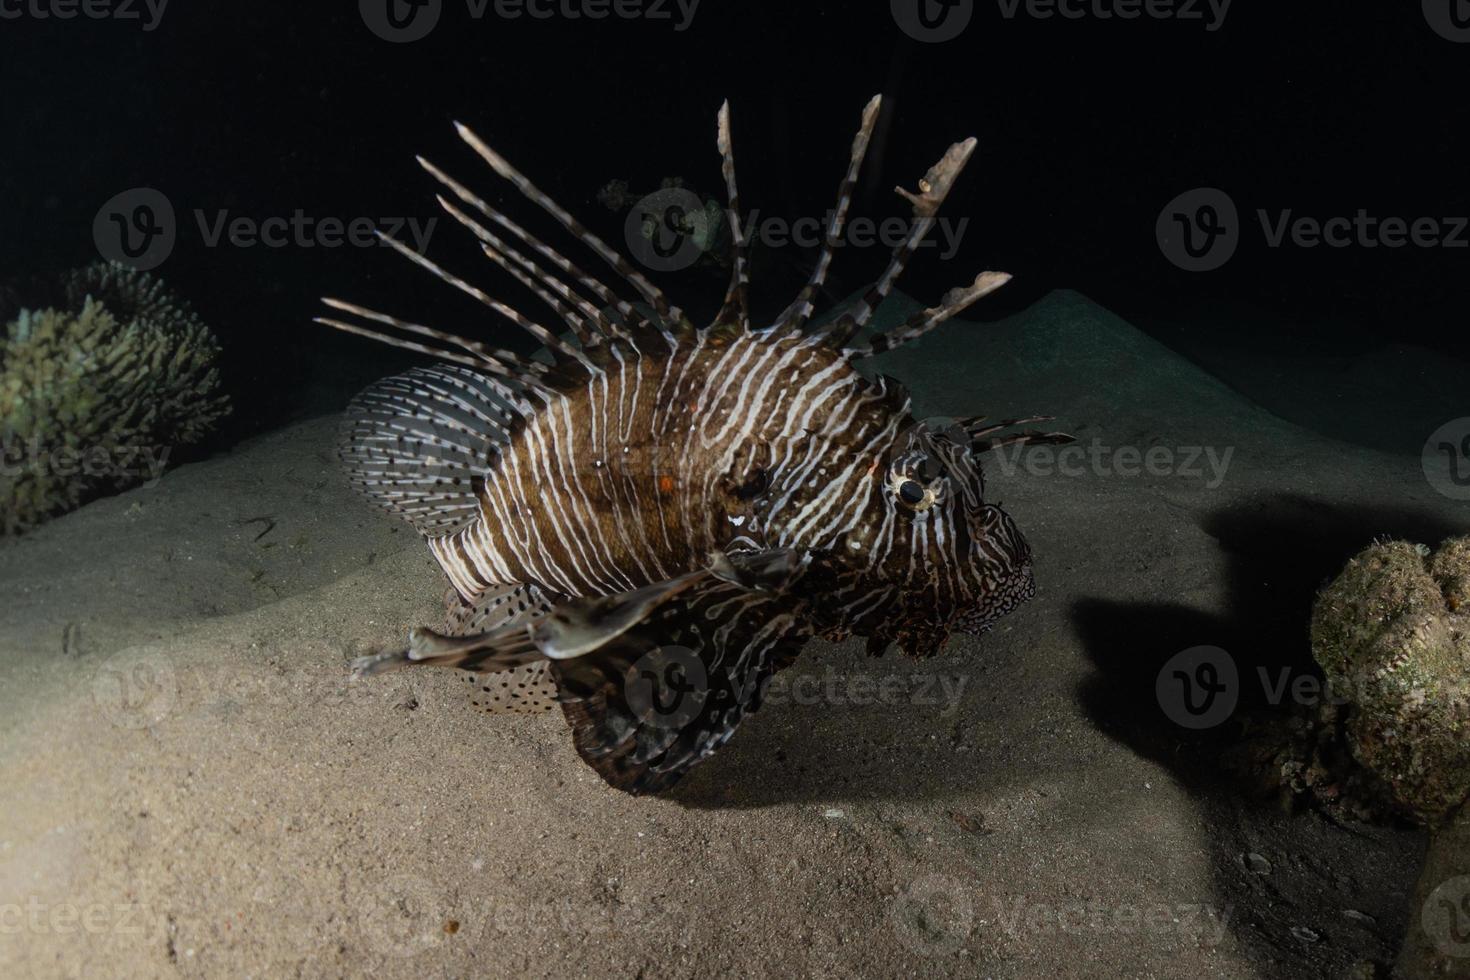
954	302
587	282
530	275
736	310
504	363
800	311
419	443
933	189
551	341
671	318
984	438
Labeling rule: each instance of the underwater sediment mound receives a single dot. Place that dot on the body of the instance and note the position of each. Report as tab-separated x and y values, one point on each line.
97	389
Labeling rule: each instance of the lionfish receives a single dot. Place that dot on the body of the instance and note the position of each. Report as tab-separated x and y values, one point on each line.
649	521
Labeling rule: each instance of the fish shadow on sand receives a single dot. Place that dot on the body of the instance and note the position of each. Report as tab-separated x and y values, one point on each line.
921	742
1281	549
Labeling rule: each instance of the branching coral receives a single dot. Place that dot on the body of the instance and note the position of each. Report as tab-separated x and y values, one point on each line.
94	394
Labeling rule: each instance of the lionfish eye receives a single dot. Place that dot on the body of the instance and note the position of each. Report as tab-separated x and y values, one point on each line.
911	492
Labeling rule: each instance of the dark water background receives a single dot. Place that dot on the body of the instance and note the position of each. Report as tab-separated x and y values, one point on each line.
1087	128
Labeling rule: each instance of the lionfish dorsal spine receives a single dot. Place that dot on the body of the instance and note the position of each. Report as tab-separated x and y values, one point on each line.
735	310
796	315
619	321
670	317
591	284
933	190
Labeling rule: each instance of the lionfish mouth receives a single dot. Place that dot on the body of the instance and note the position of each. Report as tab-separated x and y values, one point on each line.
980	618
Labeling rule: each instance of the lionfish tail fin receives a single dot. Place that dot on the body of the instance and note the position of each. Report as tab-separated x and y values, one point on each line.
419	443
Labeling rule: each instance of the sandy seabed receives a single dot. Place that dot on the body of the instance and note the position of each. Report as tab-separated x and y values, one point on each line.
192	788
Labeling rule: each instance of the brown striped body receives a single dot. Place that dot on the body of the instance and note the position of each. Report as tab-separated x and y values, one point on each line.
673	506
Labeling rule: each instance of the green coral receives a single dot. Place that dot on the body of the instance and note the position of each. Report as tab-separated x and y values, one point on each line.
1393	633
118	370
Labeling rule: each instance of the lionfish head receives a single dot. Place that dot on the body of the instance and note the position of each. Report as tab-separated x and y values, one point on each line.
958	562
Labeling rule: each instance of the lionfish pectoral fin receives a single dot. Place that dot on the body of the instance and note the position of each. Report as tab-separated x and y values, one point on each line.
498	650
661	697
580	626
419	443
527	689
